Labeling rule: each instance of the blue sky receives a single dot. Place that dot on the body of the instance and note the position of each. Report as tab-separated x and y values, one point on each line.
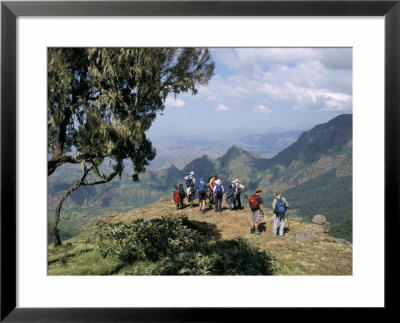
256	90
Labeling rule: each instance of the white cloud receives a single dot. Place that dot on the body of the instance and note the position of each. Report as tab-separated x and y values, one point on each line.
300	77
222	107
249	60
262	109
312	79
169	102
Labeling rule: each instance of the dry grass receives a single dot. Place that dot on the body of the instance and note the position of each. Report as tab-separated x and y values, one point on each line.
321	255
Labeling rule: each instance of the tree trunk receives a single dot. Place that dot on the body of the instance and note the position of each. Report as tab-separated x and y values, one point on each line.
53	228
75	186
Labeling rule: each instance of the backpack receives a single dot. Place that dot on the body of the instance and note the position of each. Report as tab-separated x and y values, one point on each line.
218	191
189	182
234	189
280	206
253	203
202	188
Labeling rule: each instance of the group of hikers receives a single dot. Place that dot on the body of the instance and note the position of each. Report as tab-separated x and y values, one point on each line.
213	191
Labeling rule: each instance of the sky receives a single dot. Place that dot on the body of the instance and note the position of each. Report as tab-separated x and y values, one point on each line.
258	90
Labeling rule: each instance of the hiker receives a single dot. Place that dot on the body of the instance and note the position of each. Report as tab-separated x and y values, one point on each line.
176	196
192	194
234	201
218	194
211	182
279	206
239	188
257	211
189	180
202	189
229	197
182	193
209	194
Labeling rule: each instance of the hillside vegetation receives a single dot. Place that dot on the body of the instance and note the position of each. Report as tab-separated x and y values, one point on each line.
160	240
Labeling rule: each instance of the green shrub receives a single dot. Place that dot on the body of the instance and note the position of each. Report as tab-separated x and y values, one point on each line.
238	257
172	246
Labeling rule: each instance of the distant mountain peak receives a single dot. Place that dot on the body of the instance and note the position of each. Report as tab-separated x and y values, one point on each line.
236	151
311	144
234	148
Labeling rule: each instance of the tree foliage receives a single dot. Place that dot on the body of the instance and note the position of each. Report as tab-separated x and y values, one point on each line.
101	101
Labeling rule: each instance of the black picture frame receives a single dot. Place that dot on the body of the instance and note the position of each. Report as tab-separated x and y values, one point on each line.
10	10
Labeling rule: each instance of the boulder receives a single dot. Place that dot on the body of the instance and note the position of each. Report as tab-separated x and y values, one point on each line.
319	219
325	228
320	223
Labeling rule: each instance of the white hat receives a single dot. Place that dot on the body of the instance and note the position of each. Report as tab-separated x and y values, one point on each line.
191	173
218	181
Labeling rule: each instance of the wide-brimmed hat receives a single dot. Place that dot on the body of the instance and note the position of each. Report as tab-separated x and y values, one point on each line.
191	173
237	181
258	190
218	181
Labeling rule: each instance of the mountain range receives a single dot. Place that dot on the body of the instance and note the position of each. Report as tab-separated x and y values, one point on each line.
181	150
314	173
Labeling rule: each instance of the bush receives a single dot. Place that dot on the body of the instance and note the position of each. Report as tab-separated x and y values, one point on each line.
172	246
238	257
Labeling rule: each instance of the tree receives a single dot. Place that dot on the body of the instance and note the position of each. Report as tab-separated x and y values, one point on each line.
102	100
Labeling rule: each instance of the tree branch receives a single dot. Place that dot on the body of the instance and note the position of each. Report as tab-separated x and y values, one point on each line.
53	163
103	181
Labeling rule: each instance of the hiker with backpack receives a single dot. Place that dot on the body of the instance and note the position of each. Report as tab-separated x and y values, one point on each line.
202	189
211	183
234	197
182	193
279	206
189	180
218	194
257	211
192	195
176	196
190	187
239	188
